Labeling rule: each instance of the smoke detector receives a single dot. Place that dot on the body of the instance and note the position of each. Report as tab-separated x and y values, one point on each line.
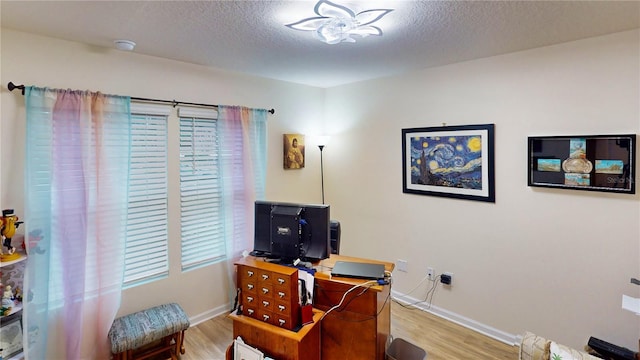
126	45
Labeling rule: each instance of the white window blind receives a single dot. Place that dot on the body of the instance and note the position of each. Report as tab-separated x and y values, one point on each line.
146	256
233	159
200	189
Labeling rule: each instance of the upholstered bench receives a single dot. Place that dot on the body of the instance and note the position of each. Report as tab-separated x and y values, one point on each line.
131	335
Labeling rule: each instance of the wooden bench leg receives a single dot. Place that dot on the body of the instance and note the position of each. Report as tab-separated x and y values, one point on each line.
166	344
179	342
182	342
173	343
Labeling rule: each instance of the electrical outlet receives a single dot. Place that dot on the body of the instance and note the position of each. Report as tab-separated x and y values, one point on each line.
431	273
446	278
402	265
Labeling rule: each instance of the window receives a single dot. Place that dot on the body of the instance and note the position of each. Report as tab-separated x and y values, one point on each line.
146	256
212	222
201	197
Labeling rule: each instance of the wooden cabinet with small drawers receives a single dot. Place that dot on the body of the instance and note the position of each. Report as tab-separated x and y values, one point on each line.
269	292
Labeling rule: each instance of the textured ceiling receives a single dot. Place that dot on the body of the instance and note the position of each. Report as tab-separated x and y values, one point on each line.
250	36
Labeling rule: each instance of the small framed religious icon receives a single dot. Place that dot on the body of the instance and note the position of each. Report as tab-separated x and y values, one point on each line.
242	351
293	155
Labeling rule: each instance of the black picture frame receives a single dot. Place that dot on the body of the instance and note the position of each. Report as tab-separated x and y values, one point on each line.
11	335
583	162
449	161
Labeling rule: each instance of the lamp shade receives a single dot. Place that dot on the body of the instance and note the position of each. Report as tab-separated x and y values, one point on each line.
323	140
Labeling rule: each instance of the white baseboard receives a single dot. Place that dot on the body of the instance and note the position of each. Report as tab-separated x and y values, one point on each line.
210	314
509	339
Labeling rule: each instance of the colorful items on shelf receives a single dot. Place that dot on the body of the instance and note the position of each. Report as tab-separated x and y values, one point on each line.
10	300
8	225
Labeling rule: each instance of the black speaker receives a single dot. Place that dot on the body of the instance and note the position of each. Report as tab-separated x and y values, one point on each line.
335	236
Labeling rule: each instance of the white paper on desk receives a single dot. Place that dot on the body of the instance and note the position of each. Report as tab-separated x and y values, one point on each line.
308	280
630	303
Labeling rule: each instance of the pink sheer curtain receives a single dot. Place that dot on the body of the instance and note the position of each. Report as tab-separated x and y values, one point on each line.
242	133
77	178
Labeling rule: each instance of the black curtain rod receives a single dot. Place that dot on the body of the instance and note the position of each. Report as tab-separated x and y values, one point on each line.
175	103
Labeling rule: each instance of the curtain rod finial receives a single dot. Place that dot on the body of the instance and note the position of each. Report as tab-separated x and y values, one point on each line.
12	86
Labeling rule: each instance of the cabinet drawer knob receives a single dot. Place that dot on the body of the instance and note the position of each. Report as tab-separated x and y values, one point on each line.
265	290
249	299
250	286
265	276
281	321
265	303
281	307
249	273
281	281
265	317
250	311
281	294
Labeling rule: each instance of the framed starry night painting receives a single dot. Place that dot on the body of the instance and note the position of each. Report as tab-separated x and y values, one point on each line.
449	161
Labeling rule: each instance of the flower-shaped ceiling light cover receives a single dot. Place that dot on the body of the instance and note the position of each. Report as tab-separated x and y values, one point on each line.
336	23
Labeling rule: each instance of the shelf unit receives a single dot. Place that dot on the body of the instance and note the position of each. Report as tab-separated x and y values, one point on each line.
12	274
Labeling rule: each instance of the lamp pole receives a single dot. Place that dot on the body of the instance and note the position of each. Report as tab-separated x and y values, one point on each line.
321	172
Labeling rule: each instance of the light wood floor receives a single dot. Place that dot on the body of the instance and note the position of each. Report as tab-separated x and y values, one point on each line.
443	340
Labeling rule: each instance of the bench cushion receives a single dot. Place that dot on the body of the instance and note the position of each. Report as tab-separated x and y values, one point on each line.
144	327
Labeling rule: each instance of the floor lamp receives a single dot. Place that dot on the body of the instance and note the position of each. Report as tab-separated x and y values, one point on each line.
322	141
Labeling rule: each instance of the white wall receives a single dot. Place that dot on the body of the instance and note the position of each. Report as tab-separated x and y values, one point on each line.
42	61
555	262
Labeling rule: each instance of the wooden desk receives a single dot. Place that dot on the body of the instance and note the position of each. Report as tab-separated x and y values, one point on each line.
359	329
279	343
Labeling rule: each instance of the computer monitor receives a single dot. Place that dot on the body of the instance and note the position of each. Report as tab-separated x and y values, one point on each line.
286	230
262	231
316	232
290	231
